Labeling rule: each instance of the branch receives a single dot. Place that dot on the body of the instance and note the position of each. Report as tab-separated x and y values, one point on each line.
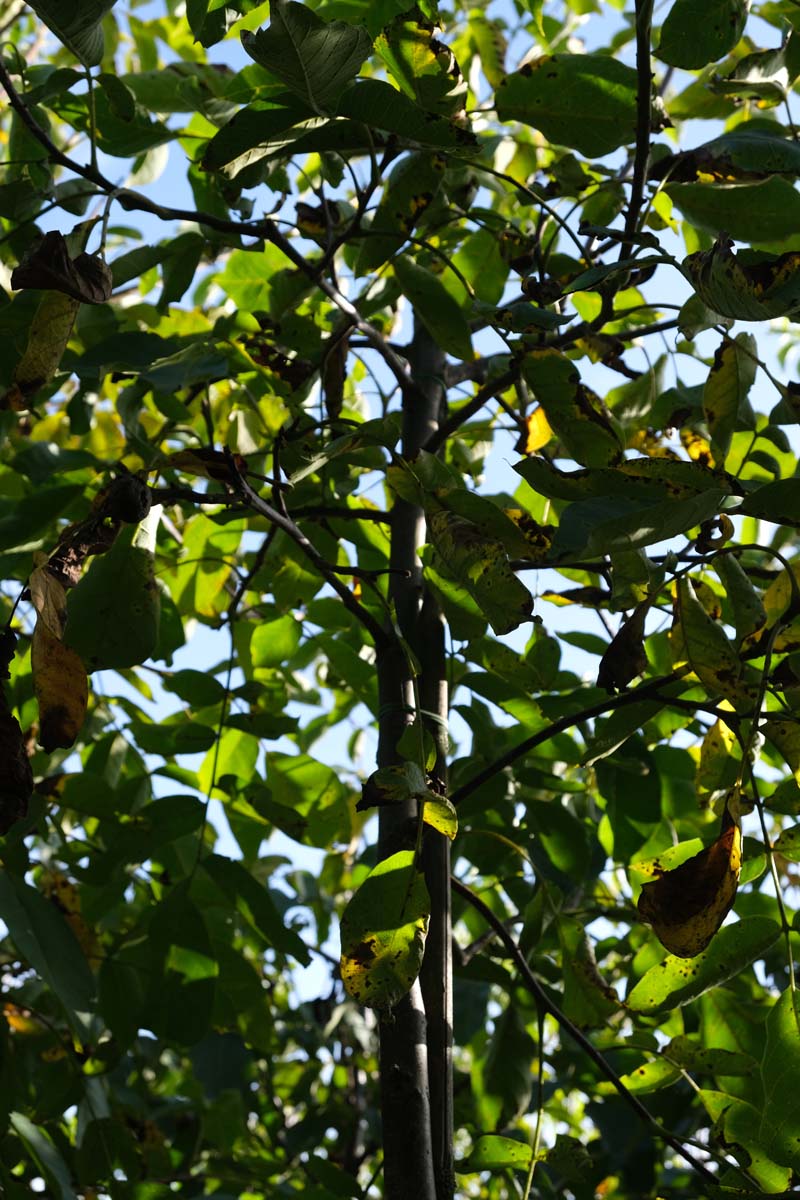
264	228
379	635
646	692
544	1002
644	16
457	419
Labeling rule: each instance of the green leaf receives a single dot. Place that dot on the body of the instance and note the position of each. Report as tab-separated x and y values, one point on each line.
725	402
113	613
78	24
383	931
183	977
677	981
588	999
314	58
573	412
749	613
378	105
745	211
778	500
706	646
736	1122
495	1153
255	904
439	312
46	942
779	1133
45	1154
697	32
440	814
587	101
422	66
787	843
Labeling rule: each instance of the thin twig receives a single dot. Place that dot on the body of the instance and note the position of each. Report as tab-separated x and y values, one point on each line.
544	1002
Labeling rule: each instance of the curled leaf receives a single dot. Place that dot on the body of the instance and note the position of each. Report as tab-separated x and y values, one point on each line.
751	286
687	905
61	688
85	278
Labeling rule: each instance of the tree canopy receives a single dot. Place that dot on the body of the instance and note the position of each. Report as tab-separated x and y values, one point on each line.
399	499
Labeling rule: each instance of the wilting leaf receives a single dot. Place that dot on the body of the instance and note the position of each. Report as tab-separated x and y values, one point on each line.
410	189
383	932
314	58
61	689
751	286
48	335
48	265
572	412
422	66
676	981
625	657
687	905
481	565
725	402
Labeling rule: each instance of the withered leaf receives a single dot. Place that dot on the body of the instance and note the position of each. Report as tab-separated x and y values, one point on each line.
61	688
687	905
48	266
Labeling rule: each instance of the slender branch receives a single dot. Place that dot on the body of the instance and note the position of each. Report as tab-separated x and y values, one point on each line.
644	89
378	634
648	691
544	1002
263	228
457	419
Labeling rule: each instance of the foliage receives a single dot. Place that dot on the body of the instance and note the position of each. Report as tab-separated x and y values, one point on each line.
377	439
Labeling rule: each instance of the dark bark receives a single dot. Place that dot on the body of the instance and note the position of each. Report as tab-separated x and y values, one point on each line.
417	1141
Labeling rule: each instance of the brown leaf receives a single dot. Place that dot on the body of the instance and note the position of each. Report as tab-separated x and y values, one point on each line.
625	657
61	688
687	905
86	278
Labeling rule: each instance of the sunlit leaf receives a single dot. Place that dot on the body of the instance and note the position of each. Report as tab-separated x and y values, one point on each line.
383	930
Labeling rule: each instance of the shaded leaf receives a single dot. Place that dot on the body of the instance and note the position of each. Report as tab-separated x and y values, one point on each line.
48	265
433	304
77	25
573	412
779	1131
697	32
750	286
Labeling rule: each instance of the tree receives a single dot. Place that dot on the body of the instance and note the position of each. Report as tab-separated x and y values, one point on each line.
303	478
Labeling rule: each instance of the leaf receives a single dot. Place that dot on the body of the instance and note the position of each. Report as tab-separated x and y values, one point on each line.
676	981
383	930
48	335
625	657
375	103
495	1153
587	101
481	565
778	500
743	210
48	266
687	905
61	689
739	154
749	286
314	58
78	24
749	613
45	1154
183	977
725	402
573	412
45	940
440	814
787	843
433	304
256	905
736	1124
779	1133
422	66
697	32
16	775
706	646
588	1000
113	613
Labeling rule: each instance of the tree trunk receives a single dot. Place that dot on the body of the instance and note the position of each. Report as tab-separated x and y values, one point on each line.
416	1039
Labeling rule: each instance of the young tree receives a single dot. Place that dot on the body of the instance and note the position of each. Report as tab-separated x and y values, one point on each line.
356	362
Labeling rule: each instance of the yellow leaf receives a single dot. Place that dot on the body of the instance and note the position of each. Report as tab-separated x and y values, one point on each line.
440	814
539	431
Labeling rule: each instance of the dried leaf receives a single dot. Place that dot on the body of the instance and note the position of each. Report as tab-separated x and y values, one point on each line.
86	278
61	688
